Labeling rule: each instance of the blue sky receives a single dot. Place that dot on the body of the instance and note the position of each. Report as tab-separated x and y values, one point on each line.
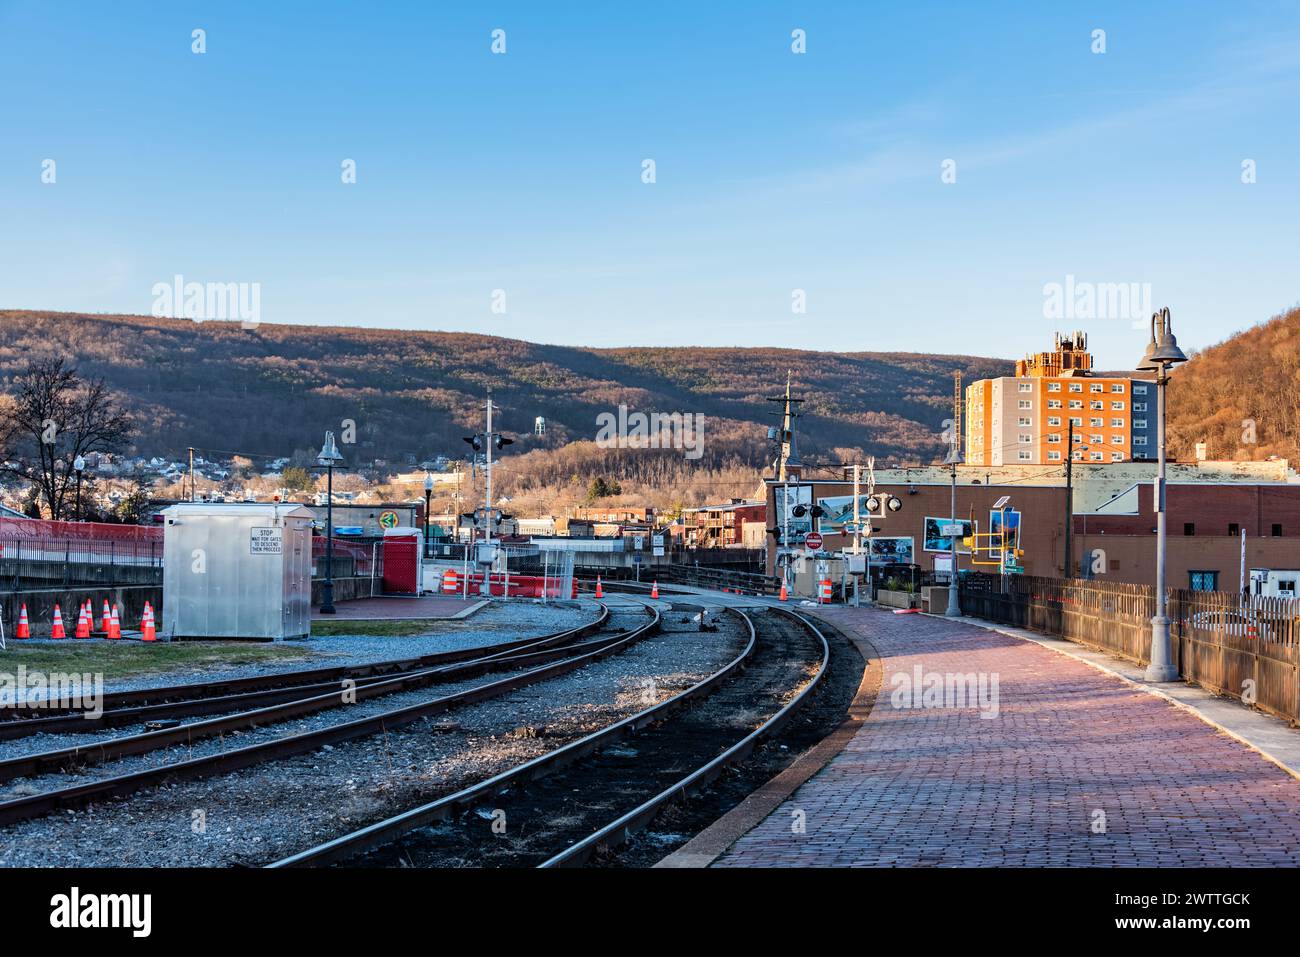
775	171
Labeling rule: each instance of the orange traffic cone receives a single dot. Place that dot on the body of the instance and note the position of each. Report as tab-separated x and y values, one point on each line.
599	592
114	626
57	631
103	627
83	623
654	589
785	595
147	628
24	629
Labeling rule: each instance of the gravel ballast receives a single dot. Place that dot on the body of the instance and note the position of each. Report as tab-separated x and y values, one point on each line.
266	812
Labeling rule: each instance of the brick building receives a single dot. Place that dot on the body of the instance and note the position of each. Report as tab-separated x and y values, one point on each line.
1205	525
1025	419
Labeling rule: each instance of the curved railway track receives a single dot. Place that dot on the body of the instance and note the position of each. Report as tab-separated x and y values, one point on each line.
215	697
540	664
607	785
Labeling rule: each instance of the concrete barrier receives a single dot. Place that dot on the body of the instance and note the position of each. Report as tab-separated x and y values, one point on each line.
896	599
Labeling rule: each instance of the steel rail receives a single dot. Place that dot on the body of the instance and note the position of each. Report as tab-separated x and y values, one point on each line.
39	720
383	832
309	700
19	809
618	831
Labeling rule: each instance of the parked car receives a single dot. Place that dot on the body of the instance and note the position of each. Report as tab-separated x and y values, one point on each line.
1240	624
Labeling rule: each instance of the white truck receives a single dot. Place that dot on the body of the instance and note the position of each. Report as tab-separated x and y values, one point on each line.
1274	583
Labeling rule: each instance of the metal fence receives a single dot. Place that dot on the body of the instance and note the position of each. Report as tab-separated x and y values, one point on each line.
1245	648
36	554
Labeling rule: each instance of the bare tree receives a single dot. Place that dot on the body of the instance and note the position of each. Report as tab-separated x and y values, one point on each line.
51	417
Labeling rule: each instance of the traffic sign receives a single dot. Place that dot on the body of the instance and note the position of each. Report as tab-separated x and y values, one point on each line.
812	542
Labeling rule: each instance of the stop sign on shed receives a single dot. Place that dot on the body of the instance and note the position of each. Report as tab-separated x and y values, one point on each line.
813	542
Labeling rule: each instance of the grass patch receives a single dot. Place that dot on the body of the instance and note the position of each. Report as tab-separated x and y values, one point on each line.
129	658
391	629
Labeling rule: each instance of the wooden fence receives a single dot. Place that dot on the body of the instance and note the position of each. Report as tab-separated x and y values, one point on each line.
1247	649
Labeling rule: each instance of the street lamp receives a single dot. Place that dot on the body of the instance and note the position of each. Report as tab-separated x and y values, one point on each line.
1162	352
79	464
428	500
329	457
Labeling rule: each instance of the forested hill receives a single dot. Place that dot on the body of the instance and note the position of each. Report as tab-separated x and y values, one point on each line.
1242	396
276	388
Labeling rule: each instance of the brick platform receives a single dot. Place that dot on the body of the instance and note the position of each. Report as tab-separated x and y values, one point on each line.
941	786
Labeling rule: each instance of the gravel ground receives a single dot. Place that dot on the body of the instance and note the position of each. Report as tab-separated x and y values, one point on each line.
499	621
38	743
263	813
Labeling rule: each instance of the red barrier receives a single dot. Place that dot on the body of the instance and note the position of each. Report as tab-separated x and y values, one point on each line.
521	586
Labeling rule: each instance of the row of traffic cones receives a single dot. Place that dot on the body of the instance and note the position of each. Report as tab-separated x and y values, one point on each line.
600	592
111	624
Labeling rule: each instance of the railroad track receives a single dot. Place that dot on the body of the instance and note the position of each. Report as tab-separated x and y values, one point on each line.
539	665
215	697
594	793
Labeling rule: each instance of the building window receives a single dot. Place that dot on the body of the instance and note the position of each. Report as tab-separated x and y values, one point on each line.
1140	440
1025	439
1117	406
1095	387
1277	529
1117	387
1025	420
1097	457
1076	403
1024	455
1117	423
1139	406
1053	387
1189	528
1234	529
1076	387
1117	456
1096	421
1139	389
1053	403
1077	455
1053	455
1053	420
1117	440
1026	403
1096	439
1098	405
1139	423
1026	387
1203	581
1054	438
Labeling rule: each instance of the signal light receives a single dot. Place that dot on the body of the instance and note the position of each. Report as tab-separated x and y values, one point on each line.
500	441
475	441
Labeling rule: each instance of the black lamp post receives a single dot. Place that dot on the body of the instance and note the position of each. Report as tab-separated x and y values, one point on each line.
428	501
329	457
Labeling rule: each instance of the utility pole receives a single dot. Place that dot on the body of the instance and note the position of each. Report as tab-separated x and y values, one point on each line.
1069	495
191	451
787	461
487	574
954	455
485	442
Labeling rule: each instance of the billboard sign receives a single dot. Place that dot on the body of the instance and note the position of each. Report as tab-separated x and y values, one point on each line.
787	497
1012	532
895	550
936	541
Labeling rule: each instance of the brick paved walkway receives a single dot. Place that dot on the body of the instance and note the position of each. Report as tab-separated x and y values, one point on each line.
945	787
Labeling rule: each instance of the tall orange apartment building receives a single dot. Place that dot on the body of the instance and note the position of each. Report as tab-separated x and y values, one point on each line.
1025	419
